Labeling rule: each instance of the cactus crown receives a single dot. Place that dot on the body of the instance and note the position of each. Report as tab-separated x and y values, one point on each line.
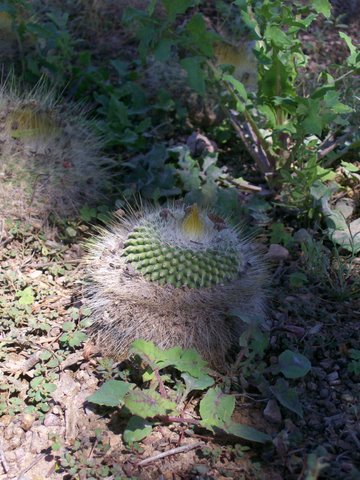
184	249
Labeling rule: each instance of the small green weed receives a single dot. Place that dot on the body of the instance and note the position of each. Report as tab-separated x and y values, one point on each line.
154	402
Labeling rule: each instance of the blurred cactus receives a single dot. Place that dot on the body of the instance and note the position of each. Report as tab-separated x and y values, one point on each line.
50	158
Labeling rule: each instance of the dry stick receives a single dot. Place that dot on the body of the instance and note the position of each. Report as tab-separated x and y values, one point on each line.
173	451
327	148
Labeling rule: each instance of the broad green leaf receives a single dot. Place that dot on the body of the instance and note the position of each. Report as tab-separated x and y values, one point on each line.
137	429
332	101
350	167
199	35
195	74
238	86
163	49
26	296
287	396
192	363
176	7
349	237
325	173
297	279
111	393
148	351
322	6
274	34
148	404
201	383
216	409
279	234
68	326
77	339
353	59
247	432
293	364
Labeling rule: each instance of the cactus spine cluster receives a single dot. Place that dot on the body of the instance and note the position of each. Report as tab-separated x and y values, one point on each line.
172	276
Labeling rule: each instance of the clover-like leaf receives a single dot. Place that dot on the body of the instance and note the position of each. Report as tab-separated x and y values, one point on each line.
136	429
293	364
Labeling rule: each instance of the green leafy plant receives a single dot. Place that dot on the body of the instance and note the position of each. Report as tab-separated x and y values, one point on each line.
292	135
169	377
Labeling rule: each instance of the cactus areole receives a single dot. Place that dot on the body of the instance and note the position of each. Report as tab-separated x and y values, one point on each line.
184	249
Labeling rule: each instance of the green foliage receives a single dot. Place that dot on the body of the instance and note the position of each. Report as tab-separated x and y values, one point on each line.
254	343
156	401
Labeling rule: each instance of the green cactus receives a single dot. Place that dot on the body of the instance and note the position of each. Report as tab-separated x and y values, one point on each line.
171	276
168	264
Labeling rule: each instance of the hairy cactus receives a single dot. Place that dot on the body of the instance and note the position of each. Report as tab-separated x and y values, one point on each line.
172	276
50	160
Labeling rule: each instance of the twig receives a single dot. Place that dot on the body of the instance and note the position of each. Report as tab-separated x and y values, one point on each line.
169	419
328	148
173	451
161	383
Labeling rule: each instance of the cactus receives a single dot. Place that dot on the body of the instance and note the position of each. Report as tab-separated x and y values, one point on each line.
171	276
50	159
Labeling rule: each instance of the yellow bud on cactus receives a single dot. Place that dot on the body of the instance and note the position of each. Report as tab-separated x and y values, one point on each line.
193	225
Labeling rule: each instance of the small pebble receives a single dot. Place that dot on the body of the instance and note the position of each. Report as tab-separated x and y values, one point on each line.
27	421
324	392
272	412
277	253
331	377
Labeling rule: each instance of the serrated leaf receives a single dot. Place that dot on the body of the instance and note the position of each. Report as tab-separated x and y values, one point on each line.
216	409
148	351
136	430
77	339
287	396
247	432
148	404
293	364
192	363
26	296
201	383
68	326
111	393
